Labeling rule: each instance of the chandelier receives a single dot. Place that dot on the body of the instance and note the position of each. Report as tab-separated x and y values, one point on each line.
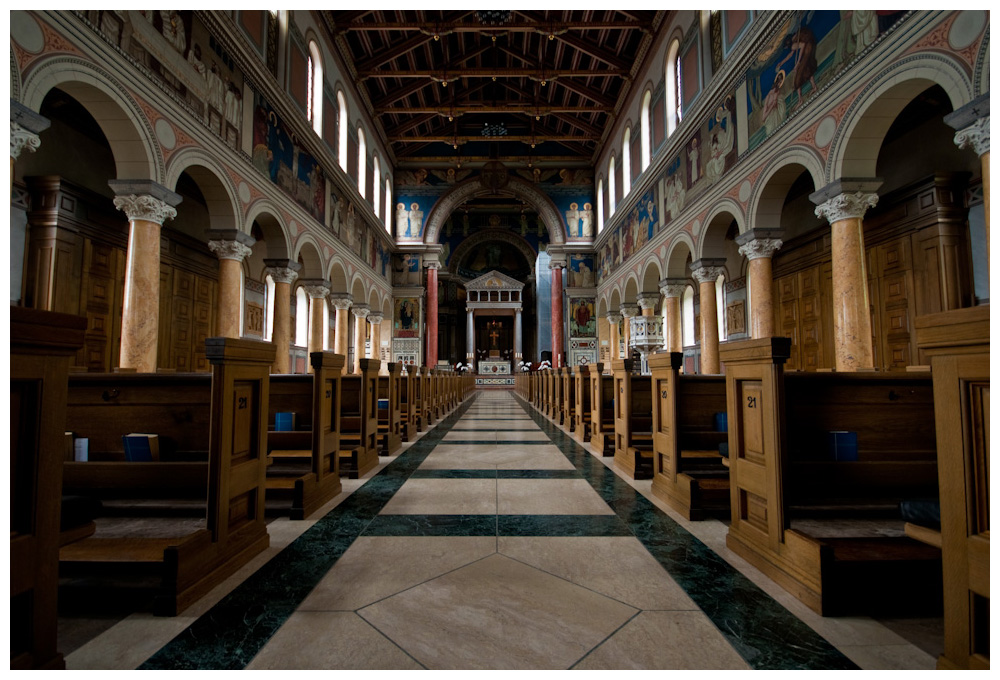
494	130
493	17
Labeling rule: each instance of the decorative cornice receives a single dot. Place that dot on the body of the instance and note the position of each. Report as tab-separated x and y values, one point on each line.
342	302
145	208
21	139
361	311
976	136
846	206
230	250
629	311
760	247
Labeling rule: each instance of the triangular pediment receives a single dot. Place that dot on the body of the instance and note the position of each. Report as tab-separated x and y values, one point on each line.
494	280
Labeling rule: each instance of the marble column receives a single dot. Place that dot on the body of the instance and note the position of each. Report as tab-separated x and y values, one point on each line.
672	290
283	273
759	246
972	123
317	290
558	358
341	303
843	204
470	338
647	303
432	314
614	318
231	247
375	319
147	205
360	334
518	343
706	272
628	311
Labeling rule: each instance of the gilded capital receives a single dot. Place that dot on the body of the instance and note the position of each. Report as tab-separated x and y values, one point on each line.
146	208
760	247
976	136
21	139
846	206
229	250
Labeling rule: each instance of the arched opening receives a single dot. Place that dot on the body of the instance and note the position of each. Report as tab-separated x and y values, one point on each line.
645	130
687	317
314	89
362	163
376	186
673	85
301	318
341	131
387	215
611	186
627	161
600	205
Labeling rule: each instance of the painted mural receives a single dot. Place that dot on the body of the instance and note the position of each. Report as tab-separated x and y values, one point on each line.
808	51
406	318
279	156
581	271
582	321
631	234
406	269
572	192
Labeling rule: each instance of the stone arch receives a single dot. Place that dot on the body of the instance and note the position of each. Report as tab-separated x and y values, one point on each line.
215	184
855	146
358	290
631	290
651	275
307	251
478	238
129	133
711	241
775	180
602	306
615	301
472	188
981	71
681	251
337	275
267	216
15	78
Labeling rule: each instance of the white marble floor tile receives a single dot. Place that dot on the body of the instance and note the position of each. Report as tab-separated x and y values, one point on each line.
549	497
444	497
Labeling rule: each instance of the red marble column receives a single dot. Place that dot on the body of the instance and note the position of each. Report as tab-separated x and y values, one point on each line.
432	315
557	317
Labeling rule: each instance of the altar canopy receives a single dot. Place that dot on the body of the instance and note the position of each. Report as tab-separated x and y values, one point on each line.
494	295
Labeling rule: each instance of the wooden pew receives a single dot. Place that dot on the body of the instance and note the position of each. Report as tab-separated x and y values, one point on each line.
829	531
568	405
583	392
42	345
602	411
689	473
359	420
555	396
230	421
407	409
304	463
419	397
389	389
957	344
633	420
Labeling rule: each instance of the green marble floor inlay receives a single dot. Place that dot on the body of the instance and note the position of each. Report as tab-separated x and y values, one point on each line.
497	525
495	474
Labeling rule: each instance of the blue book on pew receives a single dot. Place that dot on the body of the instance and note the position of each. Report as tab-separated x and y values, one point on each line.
140	447
284	421
843	446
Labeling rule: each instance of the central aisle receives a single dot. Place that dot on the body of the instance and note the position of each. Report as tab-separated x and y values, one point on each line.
495	542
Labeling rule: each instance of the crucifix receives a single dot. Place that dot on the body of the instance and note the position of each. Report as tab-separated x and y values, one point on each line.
494	334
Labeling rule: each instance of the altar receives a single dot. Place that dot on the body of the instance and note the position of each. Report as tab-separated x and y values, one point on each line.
494	367
493	304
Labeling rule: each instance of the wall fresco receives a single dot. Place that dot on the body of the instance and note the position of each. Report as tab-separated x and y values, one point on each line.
406	318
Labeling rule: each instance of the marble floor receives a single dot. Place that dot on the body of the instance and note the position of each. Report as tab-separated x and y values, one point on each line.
497	541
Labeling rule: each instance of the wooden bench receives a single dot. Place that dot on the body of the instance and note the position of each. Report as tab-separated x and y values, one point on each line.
829	531
42	345
407	410
602	411
689	473
555	411
583	393
419	397
633	420
389	428
957	345
568	405
212	455
359	420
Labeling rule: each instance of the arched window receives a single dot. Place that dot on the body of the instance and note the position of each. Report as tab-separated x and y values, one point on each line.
687	317
644	130
627	161
314	88
388	205
362	162
301	318
342	131
673	86
720	305
611	186
376	187
269	308
600	205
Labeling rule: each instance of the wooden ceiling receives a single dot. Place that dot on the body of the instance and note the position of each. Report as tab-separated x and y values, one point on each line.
434	80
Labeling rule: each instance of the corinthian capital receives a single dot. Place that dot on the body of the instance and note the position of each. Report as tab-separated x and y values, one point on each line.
282	270
628	311
673	288
375	319
229	250
614	318
361	311
846	206
316	288
760	247
648	300
21	139
976	136
145	208
341	302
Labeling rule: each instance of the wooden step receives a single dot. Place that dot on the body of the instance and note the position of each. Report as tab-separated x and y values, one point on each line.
149	550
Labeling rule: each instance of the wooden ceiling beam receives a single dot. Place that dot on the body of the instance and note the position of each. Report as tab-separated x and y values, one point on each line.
490	72
393	52
446	27
463	139
464	107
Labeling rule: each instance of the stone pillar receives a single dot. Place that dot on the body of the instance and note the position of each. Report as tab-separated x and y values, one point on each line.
614	318
432	314
317	290
558	360
283	273
341	303
843	204
360	334
672	290
147	205
705	271
628	311
470	339
230	246
972	123
518	346
375	319
25	126
647	303
758	246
